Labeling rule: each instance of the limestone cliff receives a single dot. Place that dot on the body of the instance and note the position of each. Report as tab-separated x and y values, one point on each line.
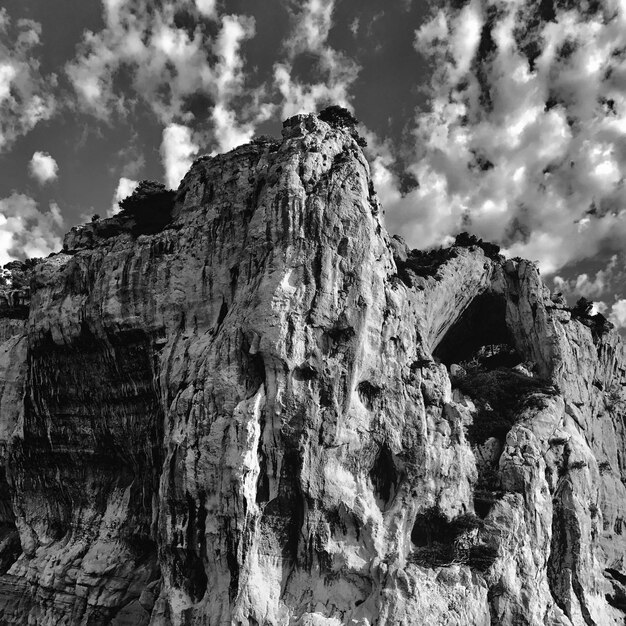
260	408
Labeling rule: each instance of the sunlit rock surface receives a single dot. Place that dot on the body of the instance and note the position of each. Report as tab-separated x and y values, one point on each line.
269	411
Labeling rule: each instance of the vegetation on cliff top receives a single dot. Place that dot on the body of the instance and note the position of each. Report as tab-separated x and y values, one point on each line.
465	240
15	288
424	263
598	324
16	274
150	206
149	197
339	117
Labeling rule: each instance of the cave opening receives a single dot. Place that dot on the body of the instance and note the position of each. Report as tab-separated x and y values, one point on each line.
483	323
481	343
438	541
430	527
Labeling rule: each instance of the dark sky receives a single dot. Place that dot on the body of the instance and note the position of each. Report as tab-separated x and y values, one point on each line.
486	115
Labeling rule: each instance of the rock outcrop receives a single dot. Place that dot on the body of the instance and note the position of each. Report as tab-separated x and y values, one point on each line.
268	411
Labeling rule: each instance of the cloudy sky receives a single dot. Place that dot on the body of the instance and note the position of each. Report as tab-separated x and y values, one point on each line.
506	118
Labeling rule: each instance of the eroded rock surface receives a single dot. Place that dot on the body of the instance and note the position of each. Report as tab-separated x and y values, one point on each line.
271	412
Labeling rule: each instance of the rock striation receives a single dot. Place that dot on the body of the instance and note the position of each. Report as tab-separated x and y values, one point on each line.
260	408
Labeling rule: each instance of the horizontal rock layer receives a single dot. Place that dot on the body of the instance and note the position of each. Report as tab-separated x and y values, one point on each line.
268	411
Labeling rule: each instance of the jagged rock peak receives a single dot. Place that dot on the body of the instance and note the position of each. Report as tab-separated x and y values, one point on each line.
254	406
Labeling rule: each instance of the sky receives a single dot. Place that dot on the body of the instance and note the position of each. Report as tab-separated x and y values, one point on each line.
504	118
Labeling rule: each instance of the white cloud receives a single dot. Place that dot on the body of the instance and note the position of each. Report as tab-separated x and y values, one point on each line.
228	134
606	281
177	152
312	26
7	75
599	285
26	232
206	8
354	26
167	64
309	35
618	313
465	38
125	188
26	97
229	82
598	307
43	167
525	149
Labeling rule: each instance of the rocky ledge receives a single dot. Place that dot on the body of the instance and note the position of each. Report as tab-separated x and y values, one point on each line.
260	408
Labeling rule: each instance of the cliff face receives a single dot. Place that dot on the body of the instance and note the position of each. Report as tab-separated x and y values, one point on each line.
268	411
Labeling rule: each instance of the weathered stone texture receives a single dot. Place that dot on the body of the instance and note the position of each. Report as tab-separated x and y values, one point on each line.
256	416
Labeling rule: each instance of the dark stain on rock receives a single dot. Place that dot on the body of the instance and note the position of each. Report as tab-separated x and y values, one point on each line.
384	475
221	315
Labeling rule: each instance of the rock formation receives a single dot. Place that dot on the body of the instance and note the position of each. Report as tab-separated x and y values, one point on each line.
260	408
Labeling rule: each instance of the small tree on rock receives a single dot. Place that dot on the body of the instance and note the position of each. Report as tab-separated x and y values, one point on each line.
18	274
150	205
465	240
148	196
582	308
340	117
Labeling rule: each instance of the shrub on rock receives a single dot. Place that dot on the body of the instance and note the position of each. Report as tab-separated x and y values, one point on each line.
582	308
339	117
598	324
465	240
150	206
